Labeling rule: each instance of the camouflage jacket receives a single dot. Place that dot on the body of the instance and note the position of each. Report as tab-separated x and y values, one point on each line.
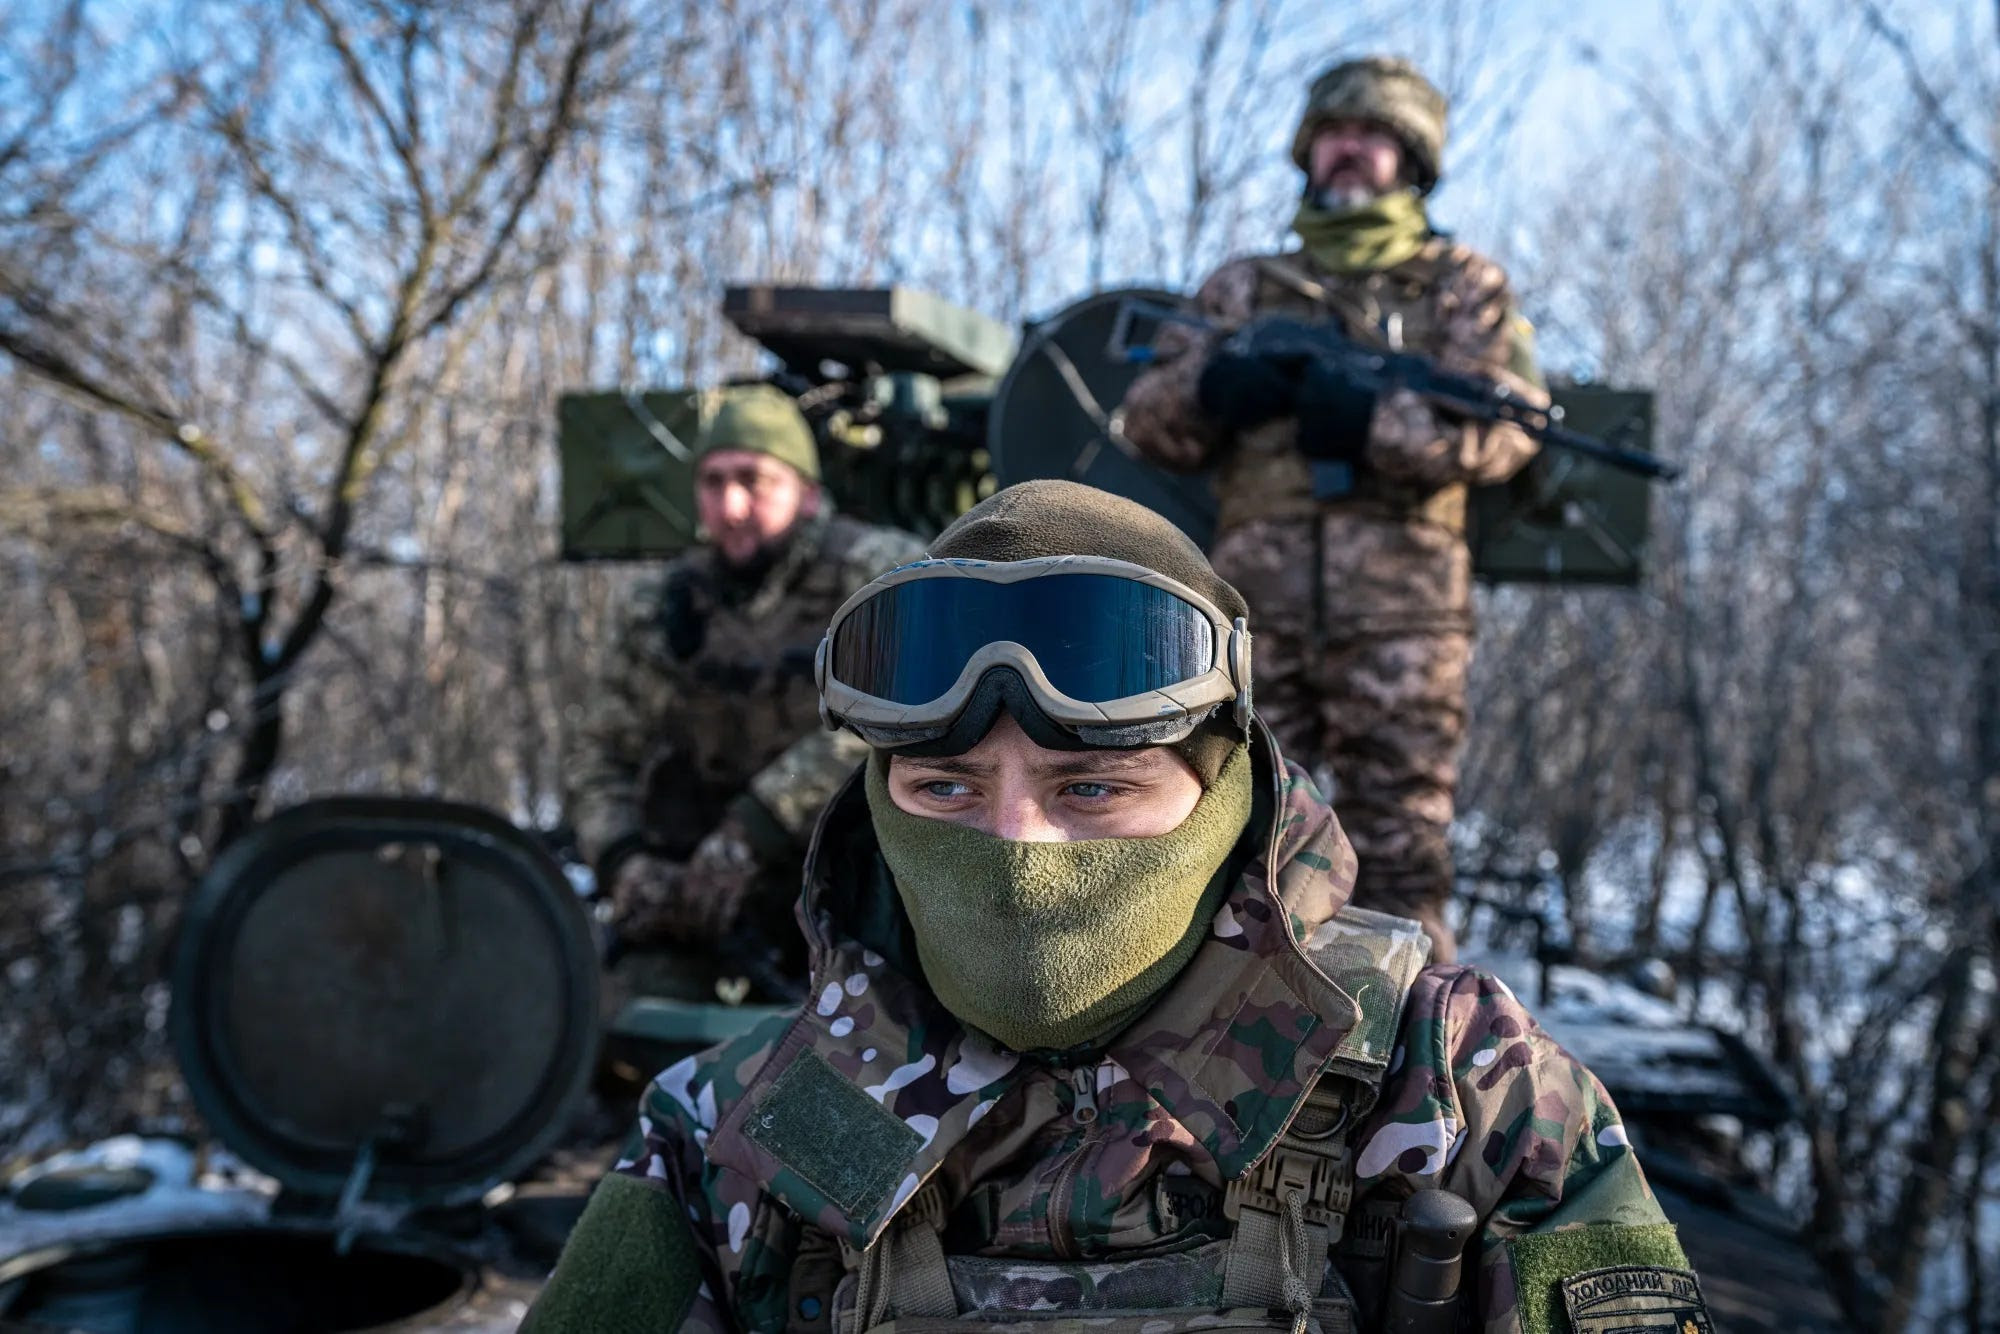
809	1135
1406	511
707	704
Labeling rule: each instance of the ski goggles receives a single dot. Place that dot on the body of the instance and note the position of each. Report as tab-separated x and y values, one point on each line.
1083	650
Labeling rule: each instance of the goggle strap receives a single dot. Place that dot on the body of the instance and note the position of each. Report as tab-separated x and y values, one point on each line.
1239	667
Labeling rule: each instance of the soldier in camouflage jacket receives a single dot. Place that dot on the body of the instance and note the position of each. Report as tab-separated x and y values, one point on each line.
1342	517
701	763
874	1158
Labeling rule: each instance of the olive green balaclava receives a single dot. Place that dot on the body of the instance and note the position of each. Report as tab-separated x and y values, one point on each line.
760	419
1050	946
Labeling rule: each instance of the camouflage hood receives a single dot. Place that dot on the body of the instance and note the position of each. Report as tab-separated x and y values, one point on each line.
858	1100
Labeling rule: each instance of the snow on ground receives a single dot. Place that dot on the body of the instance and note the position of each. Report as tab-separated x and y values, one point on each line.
1635	1043
1575	995
161	1210
170	1161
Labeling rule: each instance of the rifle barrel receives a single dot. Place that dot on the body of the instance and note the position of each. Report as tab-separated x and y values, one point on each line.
1632	460
1472	395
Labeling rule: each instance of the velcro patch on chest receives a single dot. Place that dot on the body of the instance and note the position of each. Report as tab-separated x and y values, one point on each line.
1636	1298
837	1139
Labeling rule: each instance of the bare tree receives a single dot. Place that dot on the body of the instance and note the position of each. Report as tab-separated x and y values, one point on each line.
1809	730
447	194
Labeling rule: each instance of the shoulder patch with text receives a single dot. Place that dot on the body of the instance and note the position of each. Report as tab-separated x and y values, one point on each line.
1636	1299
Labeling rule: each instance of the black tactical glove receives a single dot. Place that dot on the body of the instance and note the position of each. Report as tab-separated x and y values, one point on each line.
1244	391
1334	413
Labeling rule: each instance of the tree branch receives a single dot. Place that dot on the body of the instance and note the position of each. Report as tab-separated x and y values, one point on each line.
59	372
356	71
561	121
1927	96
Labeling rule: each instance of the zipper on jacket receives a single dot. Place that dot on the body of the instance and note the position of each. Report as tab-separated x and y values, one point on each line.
1083	1112
1062	1236
1084	1080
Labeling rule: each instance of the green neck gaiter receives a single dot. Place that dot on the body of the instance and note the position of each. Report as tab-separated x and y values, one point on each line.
1054	945
1367	238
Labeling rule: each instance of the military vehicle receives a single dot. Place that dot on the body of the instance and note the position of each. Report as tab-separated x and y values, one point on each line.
922	409
385	1010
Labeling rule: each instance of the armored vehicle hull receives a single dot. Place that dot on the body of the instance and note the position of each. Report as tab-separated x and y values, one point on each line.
386	1011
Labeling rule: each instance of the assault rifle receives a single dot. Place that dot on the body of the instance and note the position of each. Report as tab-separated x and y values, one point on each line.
1280	338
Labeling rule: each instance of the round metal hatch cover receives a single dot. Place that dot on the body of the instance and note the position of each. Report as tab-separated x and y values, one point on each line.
1052	415
409	979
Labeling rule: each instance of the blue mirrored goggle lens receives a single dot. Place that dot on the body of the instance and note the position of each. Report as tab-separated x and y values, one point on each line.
1097	637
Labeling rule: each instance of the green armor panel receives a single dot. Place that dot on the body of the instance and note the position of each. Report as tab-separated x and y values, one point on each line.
1567	519
627	473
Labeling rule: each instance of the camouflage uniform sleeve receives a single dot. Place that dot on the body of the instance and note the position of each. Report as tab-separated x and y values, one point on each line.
786	796
1483	1103
667	1231
628	722
1162	416
1486	335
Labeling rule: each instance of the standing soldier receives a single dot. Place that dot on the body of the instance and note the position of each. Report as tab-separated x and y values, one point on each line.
702	762
1342	510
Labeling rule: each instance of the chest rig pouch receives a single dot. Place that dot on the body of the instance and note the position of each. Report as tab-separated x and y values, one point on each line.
1287	1216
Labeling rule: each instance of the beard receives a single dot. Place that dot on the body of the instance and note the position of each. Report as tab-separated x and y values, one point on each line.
1340	196
740	580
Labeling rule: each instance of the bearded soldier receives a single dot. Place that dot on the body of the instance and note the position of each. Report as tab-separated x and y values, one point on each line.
702	763
1342	511
1094	1031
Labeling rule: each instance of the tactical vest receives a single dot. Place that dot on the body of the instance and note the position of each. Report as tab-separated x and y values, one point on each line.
1265	476
1297	1255
743	670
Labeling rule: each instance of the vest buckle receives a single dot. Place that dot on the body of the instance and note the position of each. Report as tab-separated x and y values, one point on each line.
1322	1172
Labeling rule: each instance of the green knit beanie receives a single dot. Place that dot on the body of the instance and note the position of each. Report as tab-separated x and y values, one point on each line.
1057	518
760	419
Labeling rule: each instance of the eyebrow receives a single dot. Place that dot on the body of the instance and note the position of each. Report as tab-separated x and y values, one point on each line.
1067	766
1098	762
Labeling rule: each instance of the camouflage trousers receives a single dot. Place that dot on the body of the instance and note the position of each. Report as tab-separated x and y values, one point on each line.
1372	705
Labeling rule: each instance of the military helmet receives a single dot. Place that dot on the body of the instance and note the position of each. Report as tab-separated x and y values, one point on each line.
761	419
1389	92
